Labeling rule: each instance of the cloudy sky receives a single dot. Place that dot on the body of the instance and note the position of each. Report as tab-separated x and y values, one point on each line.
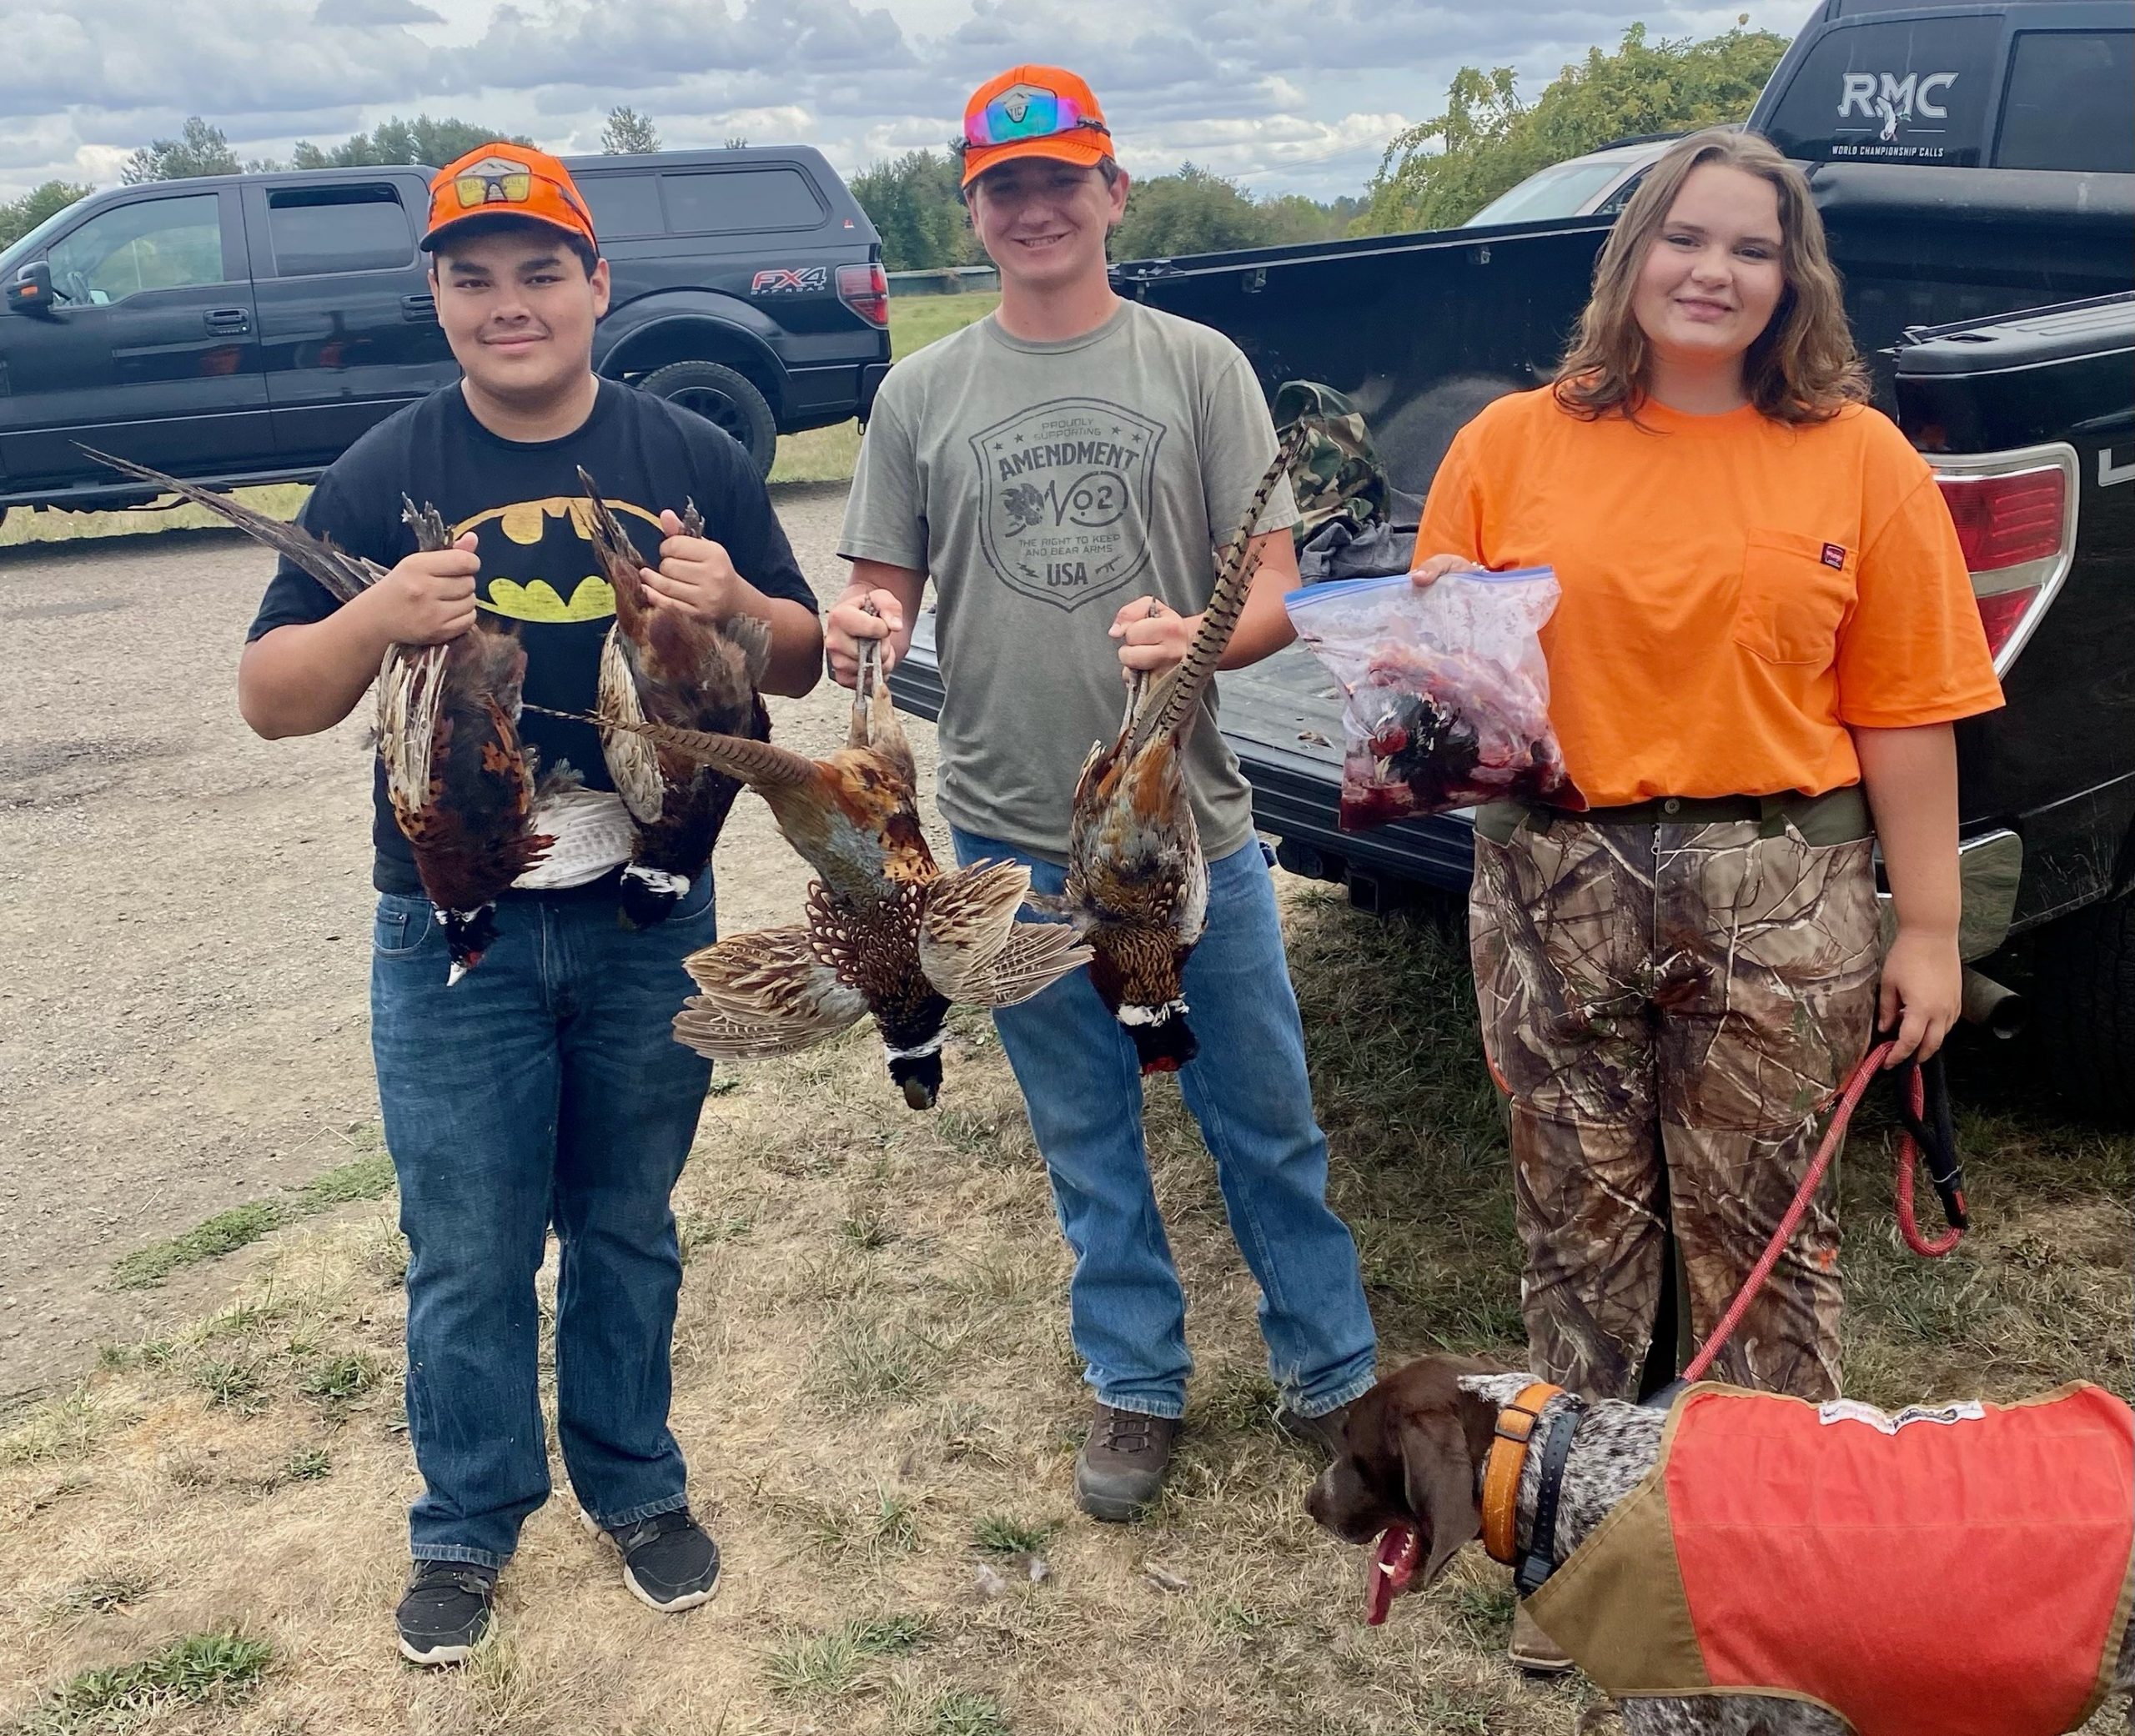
1296	96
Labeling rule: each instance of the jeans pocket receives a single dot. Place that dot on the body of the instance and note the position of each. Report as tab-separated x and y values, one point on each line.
402	925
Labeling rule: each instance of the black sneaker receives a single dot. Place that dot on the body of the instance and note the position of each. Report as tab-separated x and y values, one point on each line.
445	1611
670	1562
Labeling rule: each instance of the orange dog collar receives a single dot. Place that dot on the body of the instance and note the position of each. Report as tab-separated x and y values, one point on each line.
1501	1471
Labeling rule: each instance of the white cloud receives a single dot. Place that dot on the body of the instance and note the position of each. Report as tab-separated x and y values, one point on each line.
1281	97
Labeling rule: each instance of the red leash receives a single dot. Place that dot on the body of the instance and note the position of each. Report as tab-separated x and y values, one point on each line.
1849	1099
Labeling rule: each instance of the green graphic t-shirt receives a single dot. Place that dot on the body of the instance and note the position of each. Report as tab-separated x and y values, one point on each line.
1042	486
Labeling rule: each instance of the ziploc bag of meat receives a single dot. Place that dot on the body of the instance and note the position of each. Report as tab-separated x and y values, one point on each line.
1449	695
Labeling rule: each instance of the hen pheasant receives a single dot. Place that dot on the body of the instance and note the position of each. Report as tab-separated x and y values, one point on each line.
664	666
888	932
460	779
1137	888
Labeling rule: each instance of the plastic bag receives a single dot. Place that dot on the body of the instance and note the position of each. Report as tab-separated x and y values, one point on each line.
1449	695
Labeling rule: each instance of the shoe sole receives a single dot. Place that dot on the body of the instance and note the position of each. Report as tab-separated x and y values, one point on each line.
688	1600
436	1655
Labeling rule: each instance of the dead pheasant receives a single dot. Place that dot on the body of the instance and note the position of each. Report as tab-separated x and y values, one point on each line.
663	666
460	782
888	932
1138	885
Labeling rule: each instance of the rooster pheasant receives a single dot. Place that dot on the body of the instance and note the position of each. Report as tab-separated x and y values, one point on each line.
663	666
461	780
1137	888
888	932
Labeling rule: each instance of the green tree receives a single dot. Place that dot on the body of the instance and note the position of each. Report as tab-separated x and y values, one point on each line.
1441	173
18	217
199	149
434	143
628	134
912	200
1193	211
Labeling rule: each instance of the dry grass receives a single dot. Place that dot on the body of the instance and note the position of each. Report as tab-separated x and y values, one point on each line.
876	1389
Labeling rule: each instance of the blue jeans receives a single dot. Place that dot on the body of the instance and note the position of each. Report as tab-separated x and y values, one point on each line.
1247	1088
545	1087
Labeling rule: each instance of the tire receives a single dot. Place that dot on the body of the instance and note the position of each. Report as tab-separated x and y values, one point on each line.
723	397
2086	1004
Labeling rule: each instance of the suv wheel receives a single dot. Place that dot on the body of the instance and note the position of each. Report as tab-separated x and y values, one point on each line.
723	397
2086	1006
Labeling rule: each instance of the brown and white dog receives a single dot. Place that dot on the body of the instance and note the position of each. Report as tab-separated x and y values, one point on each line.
1416	1445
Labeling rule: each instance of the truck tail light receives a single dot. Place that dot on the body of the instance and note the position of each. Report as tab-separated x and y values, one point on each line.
2015	518
866	289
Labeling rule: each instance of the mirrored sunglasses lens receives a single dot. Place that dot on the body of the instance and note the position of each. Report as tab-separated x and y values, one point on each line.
1022	114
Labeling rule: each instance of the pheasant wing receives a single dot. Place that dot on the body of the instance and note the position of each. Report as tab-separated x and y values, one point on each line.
411	693
765	993
1036	955
966	922
633	761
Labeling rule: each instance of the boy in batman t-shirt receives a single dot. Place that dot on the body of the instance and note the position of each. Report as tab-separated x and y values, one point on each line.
545	1087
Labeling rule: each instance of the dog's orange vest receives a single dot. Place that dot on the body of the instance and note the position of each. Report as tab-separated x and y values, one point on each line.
1966	1569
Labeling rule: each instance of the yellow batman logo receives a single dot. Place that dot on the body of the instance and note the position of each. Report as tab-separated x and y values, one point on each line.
594	600
525	521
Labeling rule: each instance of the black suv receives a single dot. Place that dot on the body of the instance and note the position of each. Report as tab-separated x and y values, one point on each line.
248	328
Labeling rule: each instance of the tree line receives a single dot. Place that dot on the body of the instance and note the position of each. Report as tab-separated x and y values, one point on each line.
1433	175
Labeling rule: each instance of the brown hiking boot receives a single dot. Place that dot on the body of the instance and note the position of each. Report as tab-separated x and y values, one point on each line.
1325	1431
1534	1651
1122	1465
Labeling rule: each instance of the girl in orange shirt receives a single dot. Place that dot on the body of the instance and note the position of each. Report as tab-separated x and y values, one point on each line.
1766	632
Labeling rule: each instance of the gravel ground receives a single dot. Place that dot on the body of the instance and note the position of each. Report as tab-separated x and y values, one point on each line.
184	912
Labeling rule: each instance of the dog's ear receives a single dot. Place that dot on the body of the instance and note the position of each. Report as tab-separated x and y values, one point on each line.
1438	1480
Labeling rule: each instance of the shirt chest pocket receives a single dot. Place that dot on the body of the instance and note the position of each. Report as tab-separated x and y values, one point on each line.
1795	593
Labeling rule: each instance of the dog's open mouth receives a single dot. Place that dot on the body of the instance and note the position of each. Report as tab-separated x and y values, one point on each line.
1394	1565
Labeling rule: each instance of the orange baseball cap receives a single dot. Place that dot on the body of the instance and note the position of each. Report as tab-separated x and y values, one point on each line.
498	179
1033	111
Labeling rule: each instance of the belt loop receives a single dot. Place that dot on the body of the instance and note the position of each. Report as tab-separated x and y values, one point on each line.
1772	811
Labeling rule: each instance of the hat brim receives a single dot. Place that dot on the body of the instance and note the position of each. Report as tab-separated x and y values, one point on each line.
519	213
1059	148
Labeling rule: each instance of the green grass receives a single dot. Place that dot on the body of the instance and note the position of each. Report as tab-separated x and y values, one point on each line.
365	1178
835	1663
960	1712
53	525
998	1534
916	321
200	1669
828	454
223	1233
340	1378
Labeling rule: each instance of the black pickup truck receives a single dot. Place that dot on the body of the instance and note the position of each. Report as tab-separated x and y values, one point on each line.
1973	165
247	329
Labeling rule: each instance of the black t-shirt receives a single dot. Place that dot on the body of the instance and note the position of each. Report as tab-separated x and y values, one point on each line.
537	567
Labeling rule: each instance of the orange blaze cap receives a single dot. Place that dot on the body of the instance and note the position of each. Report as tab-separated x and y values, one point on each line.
1033	111
498	179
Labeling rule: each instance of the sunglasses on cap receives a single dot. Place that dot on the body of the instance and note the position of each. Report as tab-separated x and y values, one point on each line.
481	186
1023	112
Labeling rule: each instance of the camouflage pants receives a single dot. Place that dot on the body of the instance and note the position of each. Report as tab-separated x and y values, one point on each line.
1670	1008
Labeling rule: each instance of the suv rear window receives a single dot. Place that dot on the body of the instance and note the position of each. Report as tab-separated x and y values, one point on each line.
624	205
319	229
2072	101
1914	90
717	202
